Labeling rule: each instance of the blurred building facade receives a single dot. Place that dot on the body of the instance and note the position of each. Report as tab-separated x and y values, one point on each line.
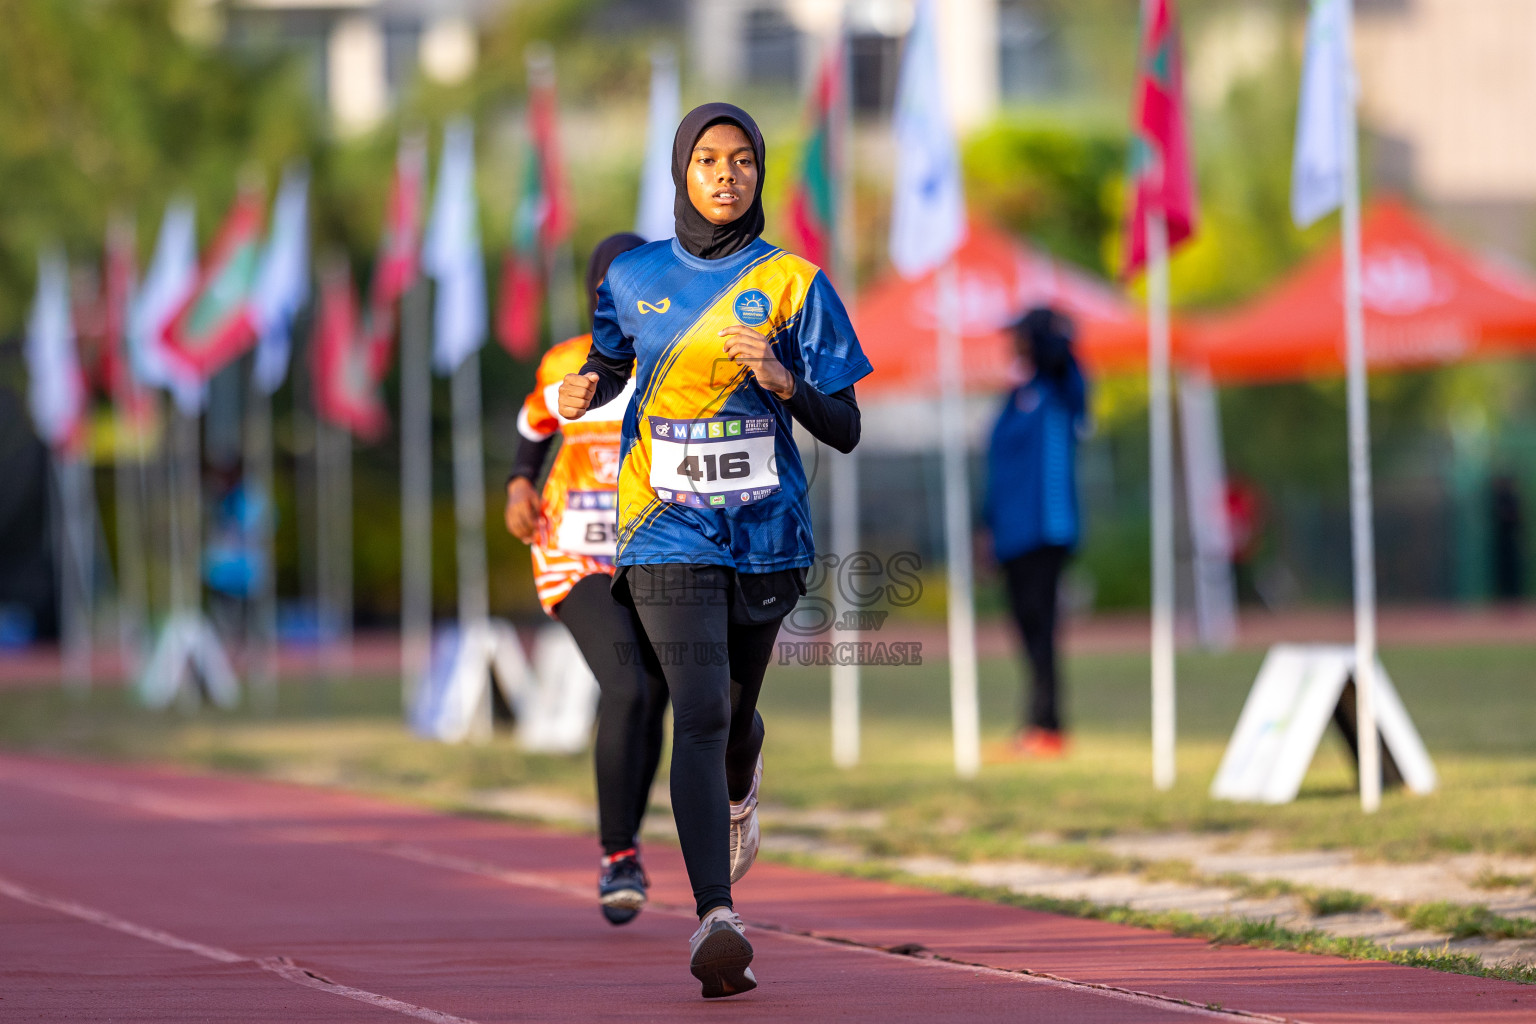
363	53
992	50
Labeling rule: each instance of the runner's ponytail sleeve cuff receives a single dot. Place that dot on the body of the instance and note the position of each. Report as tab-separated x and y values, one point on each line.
531	456
612	375
832	419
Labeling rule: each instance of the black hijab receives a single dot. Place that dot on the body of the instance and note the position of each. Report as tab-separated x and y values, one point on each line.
697	235
603	256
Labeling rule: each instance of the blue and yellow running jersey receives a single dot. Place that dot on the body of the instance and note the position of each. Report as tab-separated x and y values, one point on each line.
709	471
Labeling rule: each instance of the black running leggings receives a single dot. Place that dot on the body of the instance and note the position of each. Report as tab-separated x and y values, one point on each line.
1034	579
714	670
631	705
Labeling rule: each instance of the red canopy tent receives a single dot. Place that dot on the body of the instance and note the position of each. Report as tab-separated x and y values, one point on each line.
1427	302
1000	278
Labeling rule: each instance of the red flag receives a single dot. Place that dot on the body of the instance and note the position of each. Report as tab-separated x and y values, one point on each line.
135	405
346	364
399	249
813	196
543	123
518	312
214	326
540	224
1162	170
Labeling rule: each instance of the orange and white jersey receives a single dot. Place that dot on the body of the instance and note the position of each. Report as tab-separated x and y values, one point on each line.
577	526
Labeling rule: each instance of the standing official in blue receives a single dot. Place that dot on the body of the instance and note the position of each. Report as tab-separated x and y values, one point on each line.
729	339
1032	507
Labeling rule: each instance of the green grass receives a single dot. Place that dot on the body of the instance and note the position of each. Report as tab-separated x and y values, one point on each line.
1217	931
1461	921
1473	706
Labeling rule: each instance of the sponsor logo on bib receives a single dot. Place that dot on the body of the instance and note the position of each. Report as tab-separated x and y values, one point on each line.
753	307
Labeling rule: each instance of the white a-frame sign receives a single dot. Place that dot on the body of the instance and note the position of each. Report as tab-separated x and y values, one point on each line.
1300	689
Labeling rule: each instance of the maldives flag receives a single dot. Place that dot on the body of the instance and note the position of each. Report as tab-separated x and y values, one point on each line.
214	324
1162	170
542	221
813	196
347	365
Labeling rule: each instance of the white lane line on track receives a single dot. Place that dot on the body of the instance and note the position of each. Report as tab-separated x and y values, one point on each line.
526	879
146	799
280	966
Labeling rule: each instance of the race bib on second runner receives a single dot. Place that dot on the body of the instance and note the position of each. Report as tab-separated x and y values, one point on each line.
589	526
719	462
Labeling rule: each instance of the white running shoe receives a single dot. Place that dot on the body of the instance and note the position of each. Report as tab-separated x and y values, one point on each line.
719	955
746	836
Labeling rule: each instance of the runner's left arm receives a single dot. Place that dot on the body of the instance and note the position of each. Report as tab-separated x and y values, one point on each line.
828	361
832	419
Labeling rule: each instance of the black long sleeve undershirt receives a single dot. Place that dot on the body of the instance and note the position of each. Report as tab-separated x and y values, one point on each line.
832	419
530	460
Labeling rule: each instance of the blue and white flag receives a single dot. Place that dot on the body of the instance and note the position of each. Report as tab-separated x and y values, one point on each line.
1325	118
282	281
57	392
451	254
654	220
928	206
171	277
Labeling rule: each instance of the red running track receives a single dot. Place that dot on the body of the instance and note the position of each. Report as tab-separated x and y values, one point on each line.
131	894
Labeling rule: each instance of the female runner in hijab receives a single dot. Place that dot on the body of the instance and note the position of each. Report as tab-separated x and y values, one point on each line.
728	338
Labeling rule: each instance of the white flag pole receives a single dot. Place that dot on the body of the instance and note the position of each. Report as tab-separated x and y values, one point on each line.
469	492
965	713
845	476
1160	418
1362	532
333	448
132	575
415	490
71	536
261	628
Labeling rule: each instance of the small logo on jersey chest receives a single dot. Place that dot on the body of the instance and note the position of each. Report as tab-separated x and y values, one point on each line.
753	307
657	307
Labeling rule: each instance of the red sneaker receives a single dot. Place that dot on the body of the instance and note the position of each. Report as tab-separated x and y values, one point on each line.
1041	744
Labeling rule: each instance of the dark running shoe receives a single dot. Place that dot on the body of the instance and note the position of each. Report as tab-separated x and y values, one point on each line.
719	955
621	887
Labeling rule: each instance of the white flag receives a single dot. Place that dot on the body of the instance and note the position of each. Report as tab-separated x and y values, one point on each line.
1325	117
928	206
57	392
451	253
282	281
654	220
171	278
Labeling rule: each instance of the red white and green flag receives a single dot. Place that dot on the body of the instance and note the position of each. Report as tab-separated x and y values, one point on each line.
541	222
213	326
813	198
348	365
1162	166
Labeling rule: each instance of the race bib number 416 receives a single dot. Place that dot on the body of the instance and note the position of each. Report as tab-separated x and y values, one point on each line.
720	462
